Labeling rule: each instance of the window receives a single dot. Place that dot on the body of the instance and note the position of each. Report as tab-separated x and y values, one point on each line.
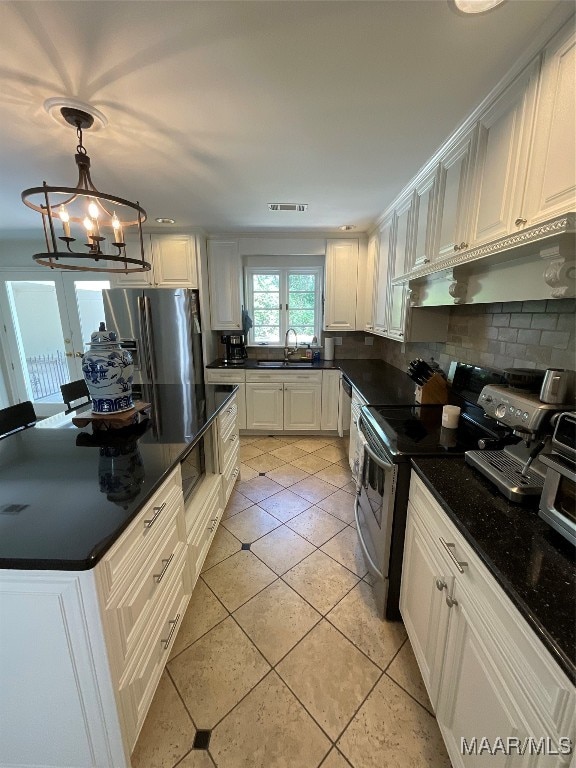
282	298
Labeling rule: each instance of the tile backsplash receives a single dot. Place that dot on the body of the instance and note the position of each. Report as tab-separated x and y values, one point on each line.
529	334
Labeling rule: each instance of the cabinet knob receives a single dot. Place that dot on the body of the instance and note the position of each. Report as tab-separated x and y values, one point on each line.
426	261
400	334
456	247
440	585
520	222
450	601
463	246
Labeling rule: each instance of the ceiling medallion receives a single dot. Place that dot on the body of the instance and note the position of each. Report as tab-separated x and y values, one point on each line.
84	216
474	6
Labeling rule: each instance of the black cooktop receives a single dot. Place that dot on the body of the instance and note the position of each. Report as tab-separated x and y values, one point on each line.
416	430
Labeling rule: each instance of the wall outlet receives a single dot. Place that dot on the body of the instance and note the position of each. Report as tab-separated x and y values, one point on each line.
368	340
337	341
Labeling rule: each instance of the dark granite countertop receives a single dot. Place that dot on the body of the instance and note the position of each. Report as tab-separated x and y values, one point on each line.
378	382
532	563
53	513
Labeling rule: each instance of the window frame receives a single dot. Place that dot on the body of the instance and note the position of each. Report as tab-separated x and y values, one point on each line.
284	273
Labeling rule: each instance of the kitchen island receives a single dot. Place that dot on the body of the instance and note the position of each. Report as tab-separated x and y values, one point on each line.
100	551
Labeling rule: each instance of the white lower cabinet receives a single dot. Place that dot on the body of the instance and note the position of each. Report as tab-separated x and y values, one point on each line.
218	376
265	405
330	401
302	406
487	674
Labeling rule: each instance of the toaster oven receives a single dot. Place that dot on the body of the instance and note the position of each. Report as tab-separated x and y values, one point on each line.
558	500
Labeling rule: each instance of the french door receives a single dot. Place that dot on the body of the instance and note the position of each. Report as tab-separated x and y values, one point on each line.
48	319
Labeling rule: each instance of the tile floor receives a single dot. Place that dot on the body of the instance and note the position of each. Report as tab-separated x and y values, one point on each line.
281	660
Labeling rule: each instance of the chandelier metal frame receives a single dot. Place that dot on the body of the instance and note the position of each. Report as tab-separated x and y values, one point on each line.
55	213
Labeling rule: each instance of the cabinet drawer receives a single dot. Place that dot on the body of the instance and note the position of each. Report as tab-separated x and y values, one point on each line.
205	517
139	683
218	376
125	558
131	614
230	474
227	421
271	377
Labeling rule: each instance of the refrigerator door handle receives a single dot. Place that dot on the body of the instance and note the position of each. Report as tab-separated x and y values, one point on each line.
146	320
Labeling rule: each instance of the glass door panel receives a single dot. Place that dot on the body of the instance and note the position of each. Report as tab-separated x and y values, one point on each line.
43	338
90	308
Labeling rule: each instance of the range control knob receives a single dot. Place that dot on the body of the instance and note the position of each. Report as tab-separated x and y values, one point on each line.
525	416
501	411
487	398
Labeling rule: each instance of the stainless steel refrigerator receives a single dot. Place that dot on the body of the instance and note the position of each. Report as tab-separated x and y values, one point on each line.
161	328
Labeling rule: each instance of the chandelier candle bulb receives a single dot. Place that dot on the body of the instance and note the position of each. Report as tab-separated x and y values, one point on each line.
65	219
117	227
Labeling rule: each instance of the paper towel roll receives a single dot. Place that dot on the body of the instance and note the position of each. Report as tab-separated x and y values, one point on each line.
328	349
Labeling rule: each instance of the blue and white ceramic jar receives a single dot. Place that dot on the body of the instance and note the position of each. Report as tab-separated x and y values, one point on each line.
109	371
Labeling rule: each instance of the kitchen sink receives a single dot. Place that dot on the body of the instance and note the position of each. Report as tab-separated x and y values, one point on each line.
282	364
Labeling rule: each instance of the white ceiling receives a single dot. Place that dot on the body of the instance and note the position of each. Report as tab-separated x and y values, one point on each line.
217	108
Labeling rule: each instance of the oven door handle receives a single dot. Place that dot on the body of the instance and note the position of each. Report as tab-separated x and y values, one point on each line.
362	544
386	465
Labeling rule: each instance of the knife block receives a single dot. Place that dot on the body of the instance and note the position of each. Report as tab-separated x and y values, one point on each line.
434	392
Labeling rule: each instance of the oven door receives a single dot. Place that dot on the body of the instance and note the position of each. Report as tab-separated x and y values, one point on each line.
374	509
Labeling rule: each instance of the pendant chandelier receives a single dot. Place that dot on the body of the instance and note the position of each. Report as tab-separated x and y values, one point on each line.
85	229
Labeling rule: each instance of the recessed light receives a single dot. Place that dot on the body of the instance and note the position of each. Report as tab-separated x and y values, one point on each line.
474	6
346	227
288	206
162	220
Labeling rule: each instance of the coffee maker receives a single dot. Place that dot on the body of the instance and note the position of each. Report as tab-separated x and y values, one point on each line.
235	350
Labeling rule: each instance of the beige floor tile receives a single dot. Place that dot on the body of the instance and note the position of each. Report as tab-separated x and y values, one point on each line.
331	453
268	729
311	444
258	488
265	462
276	619
237	579
223	545
251	524
269	443
335	760
404	670
216	672
281	549
335	474
236	503
289	453
316	525
329	676
356	617
204	612
198	758
285	505
249	452
392	731
339	504
246	473
320	580
312	489
369	579
167	733
345	549
350	488
310	463
287	475
338	442
248	439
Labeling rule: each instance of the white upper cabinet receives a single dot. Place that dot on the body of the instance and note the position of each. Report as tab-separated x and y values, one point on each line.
224	277
425	201
341	280
173	259
552	178
453	194
380	305
401	261
501	161
365	315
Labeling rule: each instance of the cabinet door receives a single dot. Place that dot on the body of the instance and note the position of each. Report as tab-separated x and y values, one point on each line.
302	406
425	218
397	311
380	312
264	406
504	134
365	314
401	261
224	275
478	696
330	397
426	580
174	261
135	279
551	176
341	285
453	197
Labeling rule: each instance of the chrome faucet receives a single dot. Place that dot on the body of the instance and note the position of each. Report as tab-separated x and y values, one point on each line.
290	350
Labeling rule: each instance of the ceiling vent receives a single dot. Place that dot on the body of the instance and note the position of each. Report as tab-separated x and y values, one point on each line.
288	206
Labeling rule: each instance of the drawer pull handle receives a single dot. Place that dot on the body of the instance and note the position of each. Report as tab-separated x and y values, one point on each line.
174	622
450	601
214	522
233	438
440	585
157	511
460	564
159	576
235	473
